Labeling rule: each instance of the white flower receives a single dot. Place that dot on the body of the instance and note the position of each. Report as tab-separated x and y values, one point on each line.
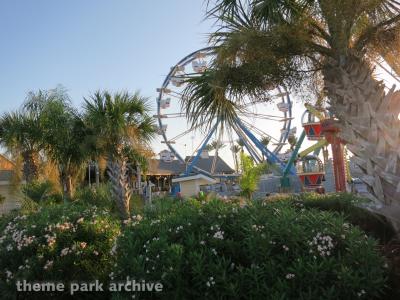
80	220
210	281
219	235
64	251
48	264
289	276
362	292
285	248
202	242
9	274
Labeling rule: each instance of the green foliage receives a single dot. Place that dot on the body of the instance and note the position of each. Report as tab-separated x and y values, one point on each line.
41	191
250	175
60	243
100	196
66	138
352	208
119	120
265	250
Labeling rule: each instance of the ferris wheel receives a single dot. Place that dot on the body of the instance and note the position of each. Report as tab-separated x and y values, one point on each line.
262	129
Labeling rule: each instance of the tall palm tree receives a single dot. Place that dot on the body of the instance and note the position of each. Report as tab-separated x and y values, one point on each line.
124	129
292	140
265	140
65	140
21	132
235	150
330	44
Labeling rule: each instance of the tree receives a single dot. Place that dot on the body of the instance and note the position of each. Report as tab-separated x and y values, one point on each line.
123	130
235	150
66	139
250	175
292	140
21	133
265	140
329	44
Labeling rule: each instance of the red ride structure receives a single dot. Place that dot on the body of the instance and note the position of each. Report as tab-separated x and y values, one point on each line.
331	131
317	127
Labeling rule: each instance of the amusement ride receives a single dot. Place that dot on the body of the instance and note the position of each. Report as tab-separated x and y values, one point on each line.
259	121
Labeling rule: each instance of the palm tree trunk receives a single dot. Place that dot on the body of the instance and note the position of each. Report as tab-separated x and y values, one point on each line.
370	125
30	168
121	189
67	185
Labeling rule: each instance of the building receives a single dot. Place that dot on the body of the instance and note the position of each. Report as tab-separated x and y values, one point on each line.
11	200
161	171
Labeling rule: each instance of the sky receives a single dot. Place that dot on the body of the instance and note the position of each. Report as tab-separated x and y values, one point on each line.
87	45
90	45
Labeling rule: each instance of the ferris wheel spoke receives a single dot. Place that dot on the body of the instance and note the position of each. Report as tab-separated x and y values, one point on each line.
199	149
259	131
266	117
247	143
185	133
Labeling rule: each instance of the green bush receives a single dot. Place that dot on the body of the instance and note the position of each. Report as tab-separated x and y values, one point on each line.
352	208
57	243
273	250
41	192
100	196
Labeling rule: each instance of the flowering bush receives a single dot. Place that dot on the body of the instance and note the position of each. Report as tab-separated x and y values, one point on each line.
350	206
265	250
59	243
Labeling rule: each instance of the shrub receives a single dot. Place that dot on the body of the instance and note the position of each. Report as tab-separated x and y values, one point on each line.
41	192
352	207
217	250
57	243
100	196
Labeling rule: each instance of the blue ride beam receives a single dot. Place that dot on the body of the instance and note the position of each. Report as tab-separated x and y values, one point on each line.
292	158
271	157
252	154
196	158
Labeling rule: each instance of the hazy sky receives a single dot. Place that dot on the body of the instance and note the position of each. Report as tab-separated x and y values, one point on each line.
87	45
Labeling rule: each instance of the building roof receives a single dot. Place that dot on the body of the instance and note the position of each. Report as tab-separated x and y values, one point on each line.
175	167
5	163
194	177
206	164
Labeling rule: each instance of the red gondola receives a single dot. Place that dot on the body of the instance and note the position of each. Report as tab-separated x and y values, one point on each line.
311	173
312	126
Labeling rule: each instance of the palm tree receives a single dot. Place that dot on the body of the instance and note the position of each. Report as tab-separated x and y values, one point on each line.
326	43
124	129
21	132
235	150
240	143
292	140
66	140
265	140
